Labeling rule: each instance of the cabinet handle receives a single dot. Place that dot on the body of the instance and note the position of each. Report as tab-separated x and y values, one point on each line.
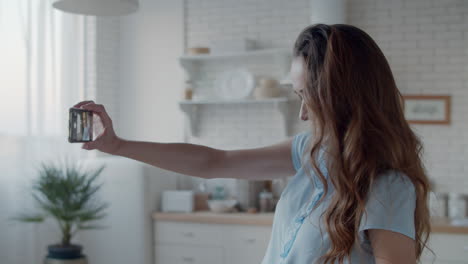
187	259
250	240
188	234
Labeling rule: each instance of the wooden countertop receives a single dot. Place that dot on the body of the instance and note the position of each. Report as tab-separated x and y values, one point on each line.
439	225
442	225
238	218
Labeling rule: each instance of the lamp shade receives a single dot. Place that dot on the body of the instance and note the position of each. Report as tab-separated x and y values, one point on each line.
97	7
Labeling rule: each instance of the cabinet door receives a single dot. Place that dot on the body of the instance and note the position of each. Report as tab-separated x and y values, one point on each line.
448	249
187	254
246	244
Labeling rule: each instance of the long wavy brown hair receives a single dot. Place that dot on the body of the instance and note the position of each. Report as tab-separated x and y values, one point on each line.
358	113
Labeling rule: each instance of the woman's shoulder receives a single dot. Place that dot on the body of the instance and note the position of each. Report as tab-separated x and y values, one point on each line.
302	137
395	176
393	182
390	205
300	141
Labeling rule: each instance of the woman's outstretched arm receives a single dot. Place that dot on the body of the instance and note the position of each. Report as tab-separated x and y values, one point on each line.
268	162
201	161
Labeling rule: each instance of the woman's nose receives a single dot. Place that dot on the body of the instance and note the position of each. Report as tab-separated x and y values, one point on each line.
303	112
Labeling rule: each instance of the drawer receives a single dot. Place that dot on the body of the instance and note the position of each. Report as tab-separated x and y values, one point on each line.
247	244
448	248
182	254
247	236
188	233
246	255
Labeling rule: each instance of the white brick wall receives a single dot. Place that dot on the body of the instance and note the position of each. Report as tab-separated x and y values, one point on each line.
274	24
107	64
426	45
104	78
425	41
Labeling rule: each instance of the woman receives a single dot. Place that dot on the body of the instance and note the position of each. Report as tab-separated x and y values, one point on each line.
359	191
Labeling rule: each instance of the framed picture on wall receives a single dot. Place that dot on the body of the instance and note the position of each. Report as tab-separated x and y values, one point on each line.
427	109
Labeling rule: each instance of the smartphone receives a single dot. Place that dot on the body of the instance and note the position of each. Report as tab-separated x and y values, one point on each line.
80	125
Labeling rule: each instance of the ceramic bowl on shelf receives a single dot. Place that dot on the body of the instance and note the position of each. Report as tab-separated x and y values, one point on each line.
267	88
221	206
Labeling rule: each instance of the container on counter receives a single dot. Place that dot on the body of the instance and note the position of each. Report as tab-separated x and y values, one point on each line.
439	204
457	206
247	193
465	199
177	201
201	197
265	201
219	193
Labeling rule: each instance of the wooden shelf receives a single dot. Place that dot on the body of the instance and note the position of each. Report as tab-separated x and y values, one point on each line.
281	57
230	55
235	101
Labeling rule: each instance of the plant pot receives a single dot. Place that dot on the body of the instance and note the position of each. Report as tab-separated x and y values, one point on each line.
59	254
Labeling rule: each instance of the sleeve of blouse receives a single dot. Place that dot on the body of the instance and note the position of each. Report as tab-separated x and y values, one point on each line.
297	148
390	206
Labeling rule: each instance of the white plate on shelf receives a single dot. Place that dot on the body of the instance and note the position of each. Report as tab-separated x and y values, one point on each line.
235	84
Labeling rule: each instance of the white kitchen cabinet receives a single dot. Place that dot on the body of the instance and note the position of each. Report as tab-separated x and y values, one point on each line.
222	243
186	242
448	249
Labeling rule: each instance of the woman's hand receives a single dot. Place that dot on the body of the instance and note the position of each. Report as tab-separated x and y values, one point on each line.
107	141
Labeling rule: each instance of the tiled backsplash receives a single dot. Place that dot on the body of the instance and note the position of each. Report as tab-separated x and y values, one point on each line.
425	41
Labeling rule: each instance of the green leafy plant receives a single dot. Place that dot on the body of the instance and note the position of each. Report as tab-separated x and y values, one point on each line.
68	195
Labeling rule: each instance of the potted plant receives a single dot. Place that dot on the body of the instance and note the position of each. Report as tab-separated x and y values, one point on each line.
68	195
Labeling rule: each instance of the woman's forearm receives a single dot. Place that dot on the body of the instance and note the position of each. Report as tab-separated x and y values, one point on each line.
189	159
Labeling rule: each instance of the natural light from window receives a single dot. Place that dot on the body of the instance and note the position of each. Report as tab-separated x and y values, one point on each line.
12	70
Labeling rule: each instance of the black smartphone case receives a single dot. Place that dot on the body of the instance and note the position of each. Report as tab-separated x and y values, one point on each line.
80	125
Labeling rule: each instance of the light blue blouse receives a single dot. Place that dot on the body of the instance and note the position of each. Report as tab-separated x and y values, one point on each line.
297	239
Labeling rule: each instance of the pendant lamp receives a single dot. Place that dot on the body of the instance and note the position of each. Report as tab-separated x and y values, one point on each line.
97	7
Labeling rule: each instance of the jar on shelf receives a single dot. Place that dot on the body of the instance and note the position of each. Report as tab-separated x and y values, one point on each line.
188	90
267	88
